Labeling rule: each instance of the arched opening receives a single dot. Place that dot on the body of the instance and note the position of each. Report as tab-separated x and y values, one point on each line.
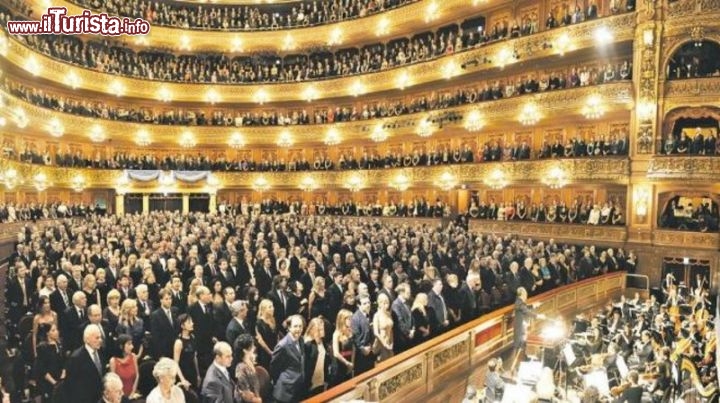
689	211
695	59
691	131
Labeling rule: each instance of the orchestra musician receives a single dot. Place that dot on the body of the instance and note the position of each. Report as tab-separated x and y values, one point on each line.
630	391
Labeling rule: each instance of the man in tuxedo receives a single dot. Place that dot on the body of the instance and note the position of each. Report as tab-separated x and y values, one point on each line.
73	318
84	369
179	299
335	295
60	298
222	313
439	309
362	336
238	324
144	304
288	363
523	313
217	386
164	326
94	317
468	301
201	313
20	293
264	276
403	328
279	298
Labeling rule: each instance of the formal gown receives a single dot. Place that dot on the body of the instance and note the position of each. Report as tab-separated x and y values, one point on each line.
50	360
188	353
385	330
270	336
126	369
341	373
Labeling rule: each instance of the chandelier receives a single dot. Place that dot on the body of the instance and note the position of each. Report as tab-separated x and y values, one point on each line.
383	27
261	184
378	134
78	183
261	96
97	134
529	114
354	183
449	70
594	107
10	178
403	80
474	121
336	37
496	179
308	184
187	140
357	88
117	88
310	94
142	138
21	119
40	181
285	140
332	138
164	95
55	128
212	97
236	141
556	178
72	80
32	66
401	183
562	44
447	181
425	128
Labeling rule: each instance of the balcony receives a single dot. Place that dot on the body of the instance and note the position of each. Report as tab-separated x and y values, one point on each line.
605	234
529	48
686	239
680	168
691	92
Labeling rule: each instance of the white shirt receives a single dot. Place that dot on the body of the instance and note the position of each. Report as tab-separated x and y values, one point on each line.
176	396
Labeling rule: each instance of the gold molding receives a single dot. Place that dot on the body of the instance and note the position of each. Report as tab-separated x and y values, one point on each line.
690	8
530	48
686	239
675	167
500	113
560	232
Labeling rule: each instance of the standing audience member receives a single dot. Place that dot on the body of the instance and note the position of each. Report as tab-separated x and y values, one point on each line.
287	367
363	337
49	362
383	328
126	366
317	358
165	372
112	389
185	353
342	348
247	384
85	370
217	386
163	322
403	327
266	332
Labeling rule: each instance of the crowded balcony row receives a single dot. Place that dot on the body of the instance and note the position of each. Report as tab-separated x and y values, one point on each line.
580	212
581	75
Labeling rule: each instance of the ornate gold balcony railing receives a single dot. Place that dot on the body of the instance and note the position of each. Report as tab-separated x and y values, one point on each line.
687	239
681	168
529	48
691	92
690	8
560	232
604	170
501	113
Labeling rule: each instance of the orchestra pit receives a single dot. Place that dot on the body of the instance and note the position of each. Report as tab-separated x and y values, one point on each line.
459	201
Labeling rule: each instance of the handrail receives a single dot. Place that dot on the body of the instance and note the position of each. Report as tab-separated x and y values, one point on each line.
505	312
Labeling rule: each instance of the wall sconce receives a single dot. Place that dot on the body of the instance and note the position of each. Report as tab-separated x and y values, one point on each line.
55	128
383	27
641	197
400	182
261	184
142	138
425	127
310	94
354	183
403	80
236	141
529	115
447	181
496	179
556	178
10	178
474	121
648	38
261	96
332	138
164	95
78	183
187	140
308	184
40	181
285	140
357	88
212	97
379	133
72	80
645	110
562	44
594	107
450	70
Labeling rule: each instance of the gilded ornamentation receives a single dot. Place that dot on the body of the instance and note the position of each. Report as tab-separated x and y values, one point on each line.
700	240
530	48
684	8
450	354
559	231
695	168
691	88
404	378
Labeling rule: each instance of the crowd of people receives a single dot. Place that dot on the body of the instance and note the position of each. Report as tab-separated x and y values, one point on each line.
699	144
679	213
580	212
17	212
211	303
113	58
232	17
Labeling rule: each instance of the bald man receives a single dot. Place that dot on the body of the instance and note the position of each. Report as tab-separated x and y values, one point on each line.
85	370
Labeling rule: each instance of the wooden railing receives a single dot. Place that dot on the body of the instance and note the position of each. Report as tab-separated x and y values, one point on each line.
422	370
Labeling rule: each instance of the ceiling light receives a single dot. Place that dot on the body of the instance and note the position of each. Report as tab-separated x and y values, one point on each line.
288	42
529	114
212	96
357	88
432	11
187	140
78	183
164	95
335	37
379	133
474	121
97	134
185	42
142	138
563	44
594	107
285	139
383	27
236	141
447	181
236	44
402	80
310	94
72	80
400	182
308	184
496	179
261	96
450	70
21	119
32	65
332	138
354	183
40	181
261	184
55	128
117	88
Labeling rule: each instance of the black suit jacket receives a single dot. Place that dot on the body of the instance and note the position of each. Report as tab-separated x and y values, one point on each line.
83	381
334	301
163	332
280	310
15	295
57	303
204	327
287	370
222	316
71	328
234	329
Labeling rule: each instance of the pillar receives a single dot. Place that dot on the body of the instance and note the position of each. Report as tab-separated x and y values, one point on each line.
119	204
146	204
185	204
213	203
462	201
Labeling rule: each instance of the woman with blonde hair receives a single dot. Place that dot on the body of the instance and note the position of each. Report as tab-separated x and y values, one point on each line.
130	324
342	347
317	304
91	292
383	329
111	313
421	319
266	333
316	357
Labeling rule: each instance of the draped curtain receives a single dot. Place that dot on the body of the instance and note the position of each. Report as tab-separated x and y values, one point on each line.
151	175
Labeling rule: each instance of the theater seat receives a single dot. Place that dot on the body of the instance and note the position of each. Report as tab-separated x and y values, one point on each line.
265	385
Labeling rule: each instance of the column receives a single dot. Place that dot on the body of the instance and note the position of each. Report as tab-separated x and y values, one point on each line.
462	201
119	204
146	204
212	206
185	204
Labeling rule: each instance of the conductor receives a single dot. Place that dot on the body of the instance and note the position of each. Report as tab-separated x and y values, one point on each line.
523	313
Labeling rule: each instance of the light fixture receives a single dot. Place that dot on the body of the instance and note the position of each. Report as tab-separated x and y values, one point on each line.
32	65
141	40
3	121
603	35
55	128
289	42
432	11
379	133
450	70
40	181
594	107
354	183
185	42
3	44
332	138
556	178
504	57
97	134
648	37
474	121
142	138
402	80
496	179
642	200
645	110
425	127
447	181
261	96
212	181
166	179
336	36
212	97
310	93
285	139
529	115
72	80
357	88
308	184
236	44
261	184
78	183
117	88
164	94
562	43
236	141
400	182
20	118
383	27
10	178
187	140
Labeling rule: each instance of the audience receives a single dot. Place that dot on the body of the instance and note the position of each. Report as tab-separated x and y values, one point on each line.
580	212
166	391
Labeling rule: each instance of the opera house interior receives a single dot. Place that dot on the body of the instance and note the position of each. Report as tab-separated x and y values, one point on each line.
233	201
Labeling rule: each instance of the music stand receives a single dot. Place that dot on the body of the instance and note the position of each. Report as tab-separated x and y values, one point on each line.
599	379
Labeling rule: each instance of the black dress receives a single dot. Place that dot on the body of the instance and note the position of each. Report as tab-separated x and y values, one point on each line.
339	373
49	360
187	360
319	306
420	319
270	336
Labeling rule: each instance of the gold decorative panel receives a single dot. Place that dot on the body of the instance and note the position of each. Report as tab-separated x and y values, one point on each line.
684	168
450	354
401	380
696	240
590	233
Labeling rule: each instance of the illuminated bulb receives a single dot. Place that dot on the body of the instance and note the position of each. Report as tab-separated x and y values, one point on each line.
562	44
285	139
594	107
187	140
78	183
141	40
403	80
142	138
261	96
529	114
335	36
378	134
603	35
164	95
236	141
21	119
474	121
504	57
55	128
117	88
3	121
97	134
310	94
357	88
212	97
450	69
72	80
332	138
288	42
425	128
308	184
40	181
236	44
431	12
32	65
383	27
184	42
